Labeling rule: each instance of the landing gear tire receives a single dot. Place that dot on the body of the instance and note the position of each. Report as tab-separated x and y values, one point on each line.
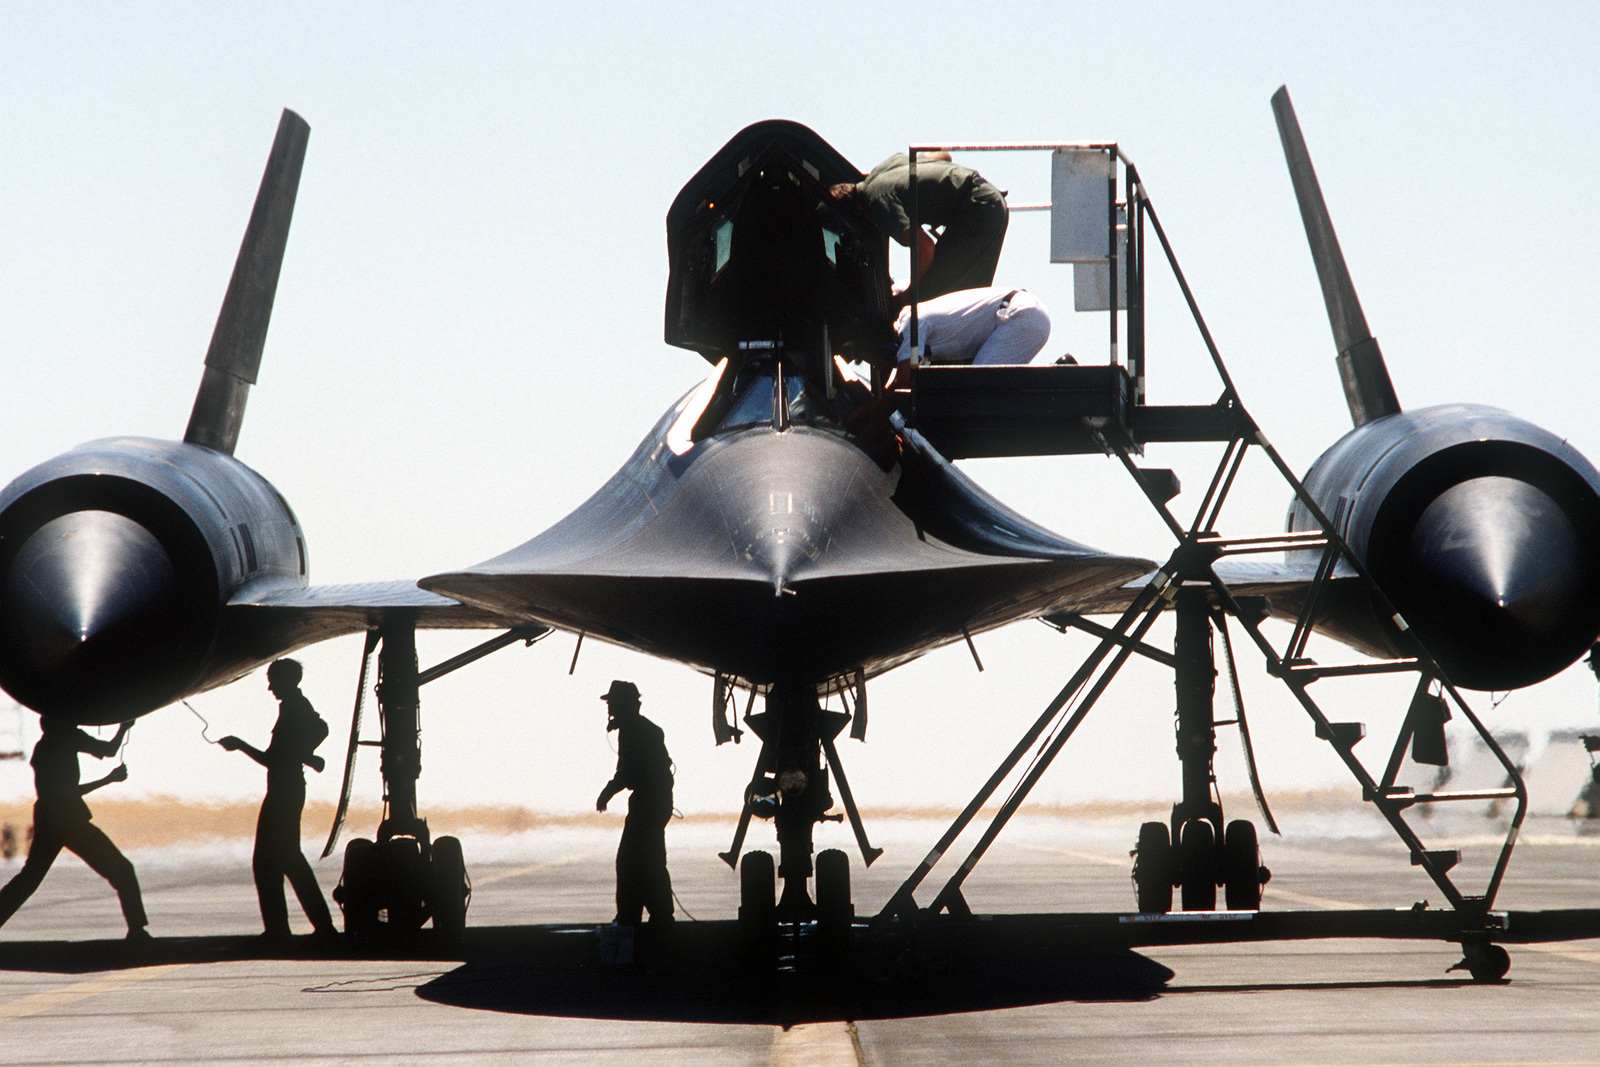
383	889
1197	865
835	913
355	893
758	907
1153	868
402	884
1486	963
1241	867
448	892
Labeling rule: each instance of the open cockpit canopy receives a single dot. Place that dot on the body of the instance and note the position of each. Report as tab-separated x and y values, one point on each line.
763	258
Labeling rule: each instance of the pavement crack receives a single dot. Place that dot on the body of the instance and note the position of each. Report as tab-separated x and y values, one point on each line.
384	984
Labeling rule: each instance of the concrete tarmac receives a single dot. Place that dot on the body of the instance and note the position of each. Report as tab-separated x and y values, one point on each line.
530	985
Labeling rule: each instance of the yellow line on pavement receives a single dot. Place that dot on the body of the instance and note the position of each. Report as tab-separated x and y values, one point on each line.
1109	861
34	1003
1581	955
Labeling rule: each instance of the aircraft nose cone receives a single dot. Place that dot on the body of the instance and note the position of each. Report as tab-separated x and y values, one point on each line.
1499	577
783	534
87	595
784	547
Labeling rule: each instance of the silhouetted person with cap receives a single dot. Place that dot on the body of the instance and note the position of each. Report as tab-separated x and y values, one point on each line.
644	767
295	737
61	820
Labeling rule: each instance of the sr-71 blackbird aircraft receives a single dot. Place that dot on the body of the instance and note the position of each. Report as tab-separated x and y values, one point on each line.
793	527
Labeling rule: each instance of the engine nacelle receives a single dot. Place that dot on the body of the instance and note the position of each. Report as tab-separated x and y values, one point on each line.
116	560
1482	529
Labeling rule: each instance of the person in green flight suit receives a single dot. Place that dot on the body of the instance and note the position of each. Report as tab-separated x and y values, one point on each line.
972	212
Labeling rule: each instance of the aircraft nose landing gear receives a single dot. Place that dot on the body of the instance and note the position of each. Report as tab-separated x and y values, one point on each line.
760	912
792	787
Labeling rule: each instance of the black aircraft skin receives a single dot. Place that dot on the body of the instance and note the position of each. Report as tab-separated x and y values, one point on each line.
777	527
1481	528
785	554
769	528
136	572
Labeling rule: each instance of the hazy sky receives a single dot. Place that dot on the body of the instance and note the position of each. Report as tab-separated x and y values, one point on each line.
467	338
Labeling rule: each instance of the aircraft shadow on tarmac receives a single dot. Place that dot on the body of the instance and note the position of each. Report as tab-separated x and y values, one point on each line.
704	975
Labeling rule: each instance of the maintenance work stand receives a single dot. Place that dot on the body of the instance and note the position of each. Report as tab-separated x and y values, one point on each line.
1101	221
1104	223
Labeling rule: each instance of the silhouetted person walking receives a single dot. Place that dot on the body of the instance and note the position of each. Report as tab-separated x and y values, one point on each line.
644	767
295	737
61	820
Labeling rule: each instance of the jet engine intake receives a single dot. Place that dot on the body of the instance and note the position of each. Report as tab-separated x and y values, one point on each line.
1481	529
116	561
108	599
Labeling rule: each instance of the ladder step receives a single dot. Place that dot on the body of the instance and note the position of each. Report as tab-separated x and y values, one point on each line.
1342	734
1403	796
1442	858
1284	542
1503	793
1311	669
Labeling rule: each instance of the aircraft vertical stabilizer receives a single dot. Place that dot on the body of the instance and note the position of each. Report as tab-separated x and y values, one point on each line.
1367	388
235	354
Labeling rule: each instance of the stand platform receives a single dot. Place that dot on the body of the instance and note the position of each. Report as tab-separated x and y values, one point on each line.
973	412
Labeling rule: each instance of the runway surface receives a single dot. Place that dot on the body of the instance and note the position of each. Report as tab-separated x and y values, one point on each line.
532	987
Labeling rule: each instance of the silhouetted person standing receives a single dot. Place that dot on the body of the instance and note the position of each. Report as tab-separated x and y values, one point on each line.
61	820
644	767
295	737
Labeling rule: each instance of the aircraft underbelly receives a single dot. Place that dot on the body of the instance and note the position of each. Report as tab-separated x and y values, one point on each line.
780	556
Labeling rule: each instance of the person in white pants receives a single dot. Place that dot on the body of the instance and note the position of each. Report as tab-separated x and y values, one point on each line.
977	326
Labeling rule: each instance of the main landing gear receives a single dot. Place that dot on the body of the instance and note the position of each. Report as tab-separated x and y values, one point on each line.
394	885
791	787
1198	853
1198	865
